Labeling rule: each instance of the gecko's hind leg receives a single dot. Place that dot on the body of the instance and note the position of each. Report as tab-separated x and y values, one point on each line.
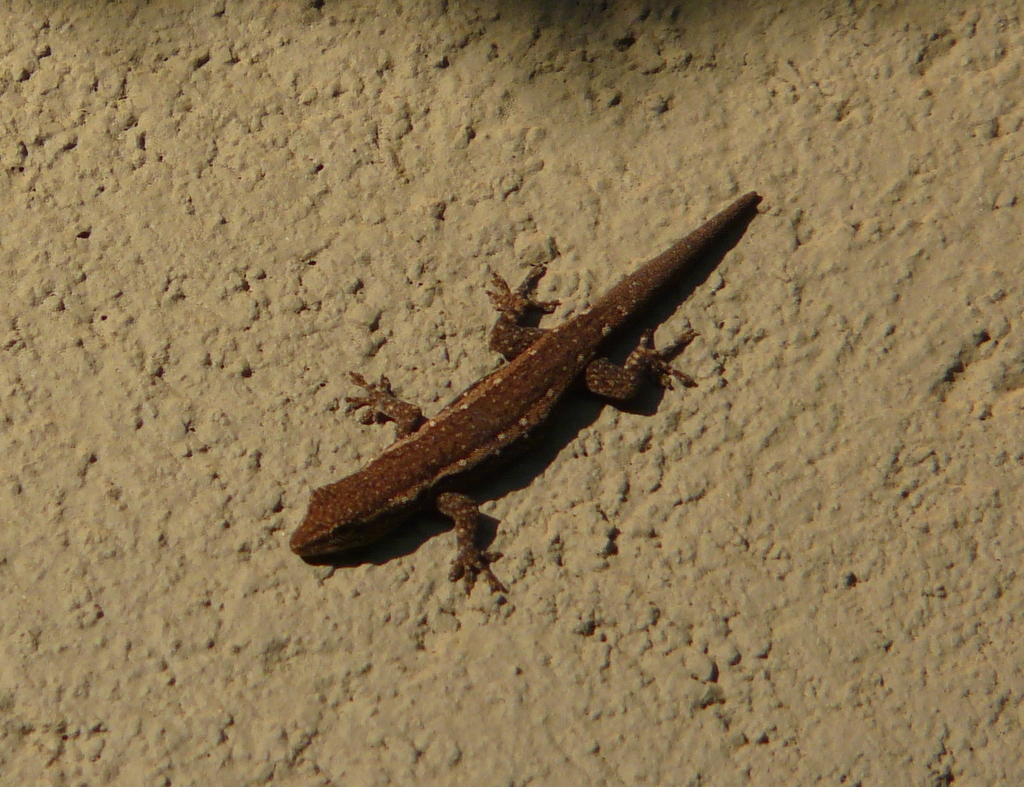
622	383
509	336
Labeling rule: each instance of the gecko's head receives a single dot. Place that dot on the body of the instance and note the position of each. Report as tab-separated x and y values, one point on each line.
317	537
329	527
345	515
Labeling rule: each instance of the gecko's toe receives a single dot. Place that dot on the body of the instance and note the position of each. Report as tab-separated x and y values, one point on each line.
471	564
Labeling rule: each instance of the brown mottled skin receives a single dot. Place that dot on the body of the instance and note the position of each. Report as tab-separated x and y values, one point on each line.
433	459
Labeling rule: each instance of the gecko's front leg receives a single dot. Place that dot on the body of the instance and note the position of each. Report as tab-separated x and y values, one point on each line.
469	562
382	405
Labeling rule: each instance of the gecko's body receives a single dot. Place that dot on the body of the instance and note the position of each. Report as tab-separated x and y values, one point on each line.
431	462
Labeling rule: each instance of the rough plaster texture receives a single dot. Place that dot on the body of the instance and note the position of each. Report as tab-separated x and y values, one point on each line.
805	571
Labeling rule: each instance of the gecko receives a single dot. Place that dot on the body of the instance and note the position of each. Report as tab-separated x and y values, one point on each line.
433	461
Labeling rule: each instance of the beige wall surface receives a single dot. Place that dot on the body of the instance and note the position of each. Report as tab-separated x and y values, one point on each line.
807	570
